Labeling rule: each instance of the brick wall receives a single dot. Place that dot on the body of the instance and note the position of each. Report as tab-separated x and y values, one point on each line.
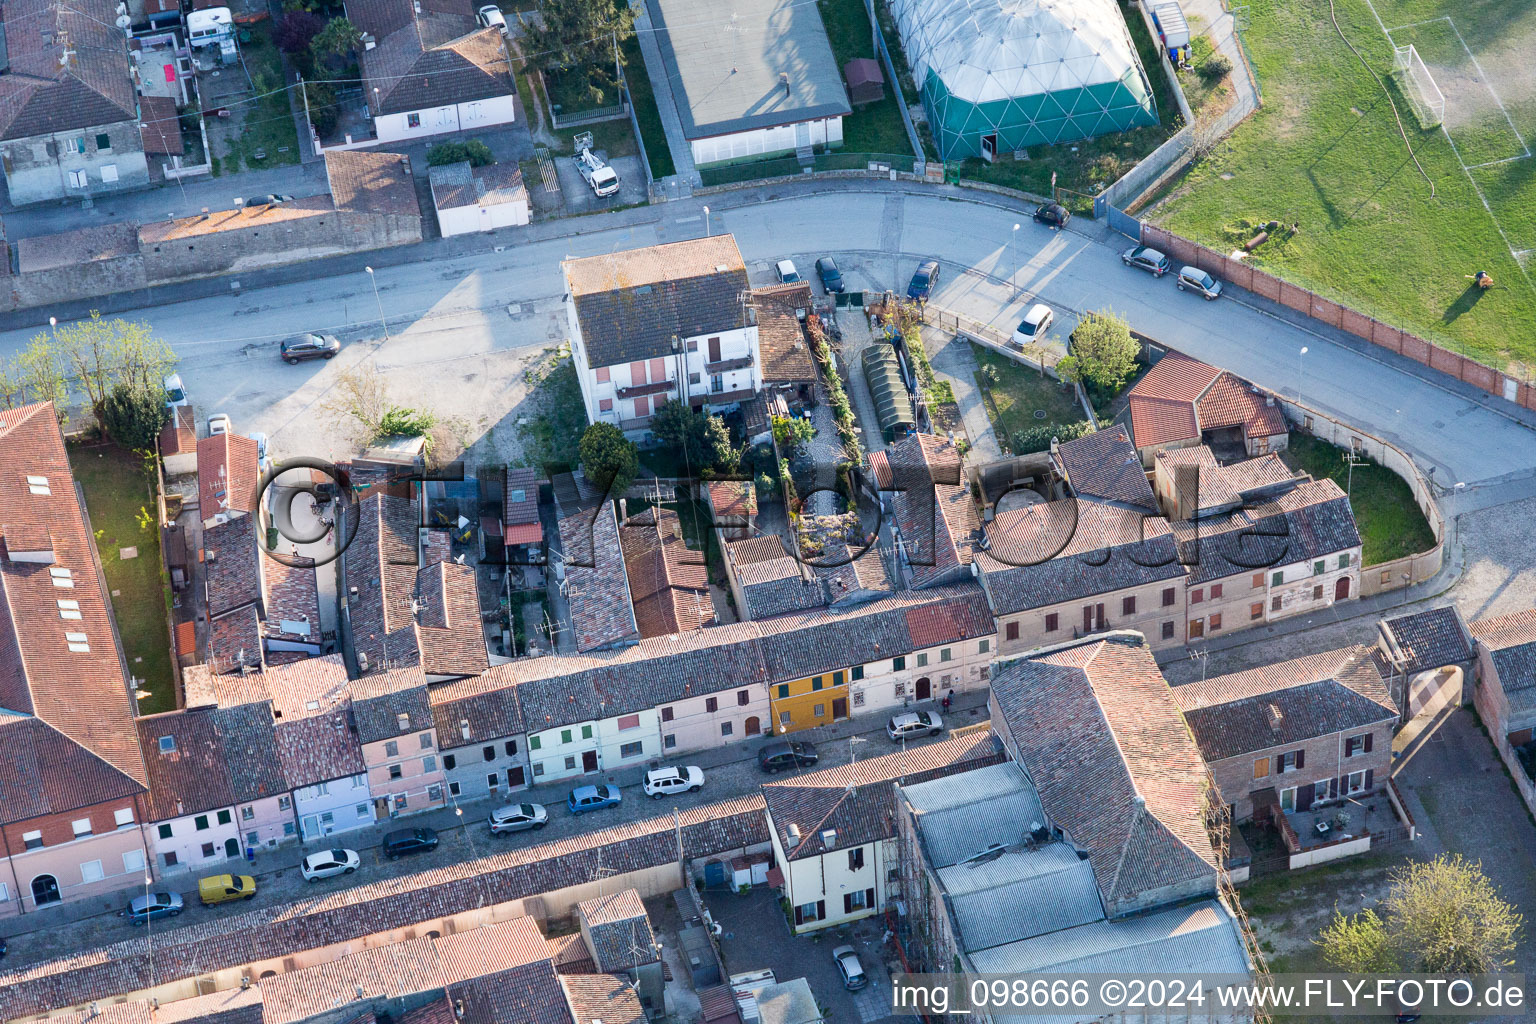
1322	759
58	828
1249	278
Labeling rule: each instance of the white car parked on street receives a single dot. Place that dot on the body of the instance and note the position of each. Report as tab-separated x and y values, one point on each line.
1034	325
661	781
329	864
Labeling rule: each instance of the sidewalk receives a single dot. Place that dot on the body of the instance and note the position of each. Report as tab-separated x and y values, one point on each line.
666	106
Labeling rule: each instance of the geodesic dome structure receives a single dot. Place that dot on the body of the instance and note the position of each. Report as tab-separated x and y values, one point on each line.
1028	72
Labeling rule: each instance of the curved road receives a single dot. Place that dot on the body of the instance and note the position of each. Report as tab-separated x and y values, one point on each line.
461	326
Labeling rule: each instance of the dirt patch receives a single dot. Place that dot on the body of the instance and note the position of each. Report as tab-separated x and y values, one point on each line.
1289	908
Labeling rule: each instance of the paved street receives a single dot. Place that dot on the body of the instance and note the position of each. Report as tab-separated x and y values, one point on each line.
462	327
729	772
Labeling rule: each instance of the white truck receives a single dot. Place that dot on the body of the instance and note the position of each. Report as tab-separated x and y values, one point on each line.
602	178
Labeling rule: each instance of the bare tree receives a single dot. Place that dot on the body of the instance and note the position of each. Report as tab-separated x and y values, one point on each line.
360	395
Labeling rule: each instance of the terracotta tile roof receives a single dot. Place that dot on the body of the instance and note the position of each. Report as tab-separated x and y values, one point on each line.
602	999
249	218
318	749
439	1011
192	775
942	622
570	954
71	77
228	940
1065	550
394	971
292	597
863	576
1428	639
362	181
596	582
449	630
631	304
756	549
1217	485
82	245
780	340
389	703
486	706
733	497
1231	401
310	687
227	474
1309	522
855	802
1177	378
618	930
381	563
1104	743
83	694
522	995
520	507
159	126
1511	644
668	584
249	737
230	559
1159	421
42	771
234	640
925	473
1286	703
179	435
1104	466
491	948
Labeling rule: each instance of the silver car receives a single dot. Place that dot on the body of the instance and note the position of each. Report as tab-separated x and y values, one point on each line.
850	968
1196	280
517	818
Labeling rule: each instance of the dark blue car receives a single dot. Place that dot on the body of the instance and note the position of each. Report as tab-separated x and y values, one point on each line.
831	277
923	281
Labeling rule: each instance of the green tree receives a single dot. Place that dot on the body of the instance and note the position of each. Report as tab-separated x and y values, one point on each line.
609	459
476	152
1445	916
1103	353
577	34
704	441
133	416
336	42
1358	944
792	430
324	109
40	371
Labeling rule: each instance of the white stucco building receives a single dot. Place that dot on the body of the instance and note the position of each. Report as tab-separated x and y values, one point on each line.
469	199
643	320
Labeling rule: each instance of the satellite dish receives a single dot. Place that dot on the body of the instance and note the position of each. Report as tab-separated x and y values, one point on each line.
123	21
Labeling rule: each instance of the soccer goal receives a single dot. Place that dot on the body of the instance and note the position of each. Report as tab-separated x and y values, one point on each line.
1419	86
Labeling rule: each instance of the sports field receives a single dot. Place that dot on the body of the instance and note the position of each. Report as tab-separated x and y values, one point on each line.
1326	152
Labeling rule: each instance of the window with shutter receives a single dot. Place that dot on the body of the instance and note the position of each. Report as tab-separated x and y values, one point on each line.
1128	606
1215	591
658	369
666	714
1258	580
637	373
714	350
1012	631
1169	596
602	375
711	705
1052	621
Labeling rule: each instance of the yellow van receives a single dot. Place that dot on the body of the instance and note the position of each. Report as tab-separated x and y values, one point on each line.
223	888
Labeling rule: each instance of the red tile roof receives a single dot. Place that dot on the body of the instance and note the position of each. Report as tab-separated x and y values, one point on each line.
1180	397
81	693
227	474
449	630
292	596
1233	402
192	775
180	432
602	999
668	583
938	519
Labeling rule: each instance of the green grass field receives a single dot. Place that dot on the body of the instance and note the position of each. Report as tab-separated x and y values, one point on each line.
116	487
1020	392
1325	152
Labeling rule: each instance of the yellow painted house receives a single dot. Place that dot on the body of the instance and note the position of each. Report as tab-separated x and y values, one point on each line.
809	702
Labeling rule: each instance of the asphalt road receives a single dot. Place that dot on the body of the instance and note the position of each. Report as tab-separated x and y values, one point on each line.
459	329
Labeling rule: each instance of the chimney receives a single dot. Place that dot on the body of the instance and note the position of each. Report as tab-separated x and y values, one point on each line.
458	1009
784	81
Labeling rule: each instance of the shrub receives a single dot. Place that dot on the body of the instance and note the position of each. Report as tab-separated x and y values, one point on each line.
296	30
1217	68
399	422
789	431
609	459
476	152
1038	438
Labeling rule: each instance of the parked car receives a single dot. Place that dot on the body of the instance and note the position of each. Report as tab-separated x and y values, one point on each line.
218	424
329	864
593	798
913	724
175	393
783	754
850	968
831	277
490	16
217	889
786	271
309	346
1146	259
1034	325
142	909
1053	214
270	199
661	781
517	818
1197	280
408	841
923	281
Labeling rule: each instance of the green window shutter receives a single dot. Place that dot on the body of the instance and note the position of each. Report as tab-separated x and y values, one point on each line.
565	735
586	732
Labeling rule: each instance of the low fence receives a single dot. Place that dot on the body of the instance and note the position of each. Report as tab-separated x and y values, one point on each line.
1400	808
987	336
1400	572
1333	314
875	164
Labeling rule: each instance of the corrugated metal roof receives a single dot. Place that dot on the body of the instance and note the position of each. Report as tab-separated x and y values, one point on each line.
1021	894
962	815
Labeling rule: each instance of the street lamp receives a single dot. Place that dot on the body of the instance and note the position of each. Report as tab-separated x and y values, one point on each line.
1457	491
1013	244
1298	373
384	323
707	232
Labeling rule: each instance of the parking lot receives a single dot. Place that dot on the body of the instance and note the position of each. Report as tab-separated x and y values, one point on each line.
756	934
